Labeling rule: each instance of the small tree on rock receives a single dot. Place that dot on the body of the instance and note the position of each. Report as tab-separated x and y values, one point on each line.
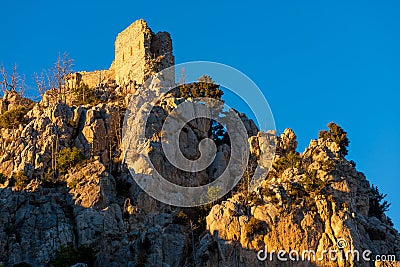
13	82
68	157
55	78
12	118
337	135
377	205
204	87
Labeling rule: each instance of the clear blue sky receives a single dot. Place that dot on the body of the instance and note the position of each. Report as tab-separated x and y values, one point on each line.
316	61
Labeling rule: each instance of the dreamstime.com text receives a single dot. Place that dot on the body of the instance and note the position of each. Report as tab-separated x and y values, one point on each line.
326	255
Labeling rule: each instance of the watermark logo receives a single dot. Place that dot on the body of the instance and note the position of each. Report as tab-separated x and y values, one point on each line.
331	254
140	121
341	243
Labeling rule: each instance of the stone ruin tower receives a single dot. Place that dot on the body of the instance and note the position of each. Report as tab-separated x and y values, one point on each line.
139	53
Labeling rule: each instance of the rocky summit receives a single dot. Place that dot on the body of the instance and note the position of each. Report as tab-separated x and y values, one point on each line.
68	199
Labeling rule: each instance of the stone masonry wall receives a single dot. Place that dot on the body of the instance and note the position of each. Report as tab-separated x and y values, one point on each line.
140	53
91	78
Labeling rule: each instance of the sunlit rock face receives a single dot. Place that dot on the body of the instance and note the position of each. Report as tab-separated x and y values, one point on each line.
286	214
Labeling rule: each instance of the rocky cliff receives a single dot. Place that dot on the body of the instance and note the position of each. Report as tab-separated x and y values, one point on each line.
320	202
61	206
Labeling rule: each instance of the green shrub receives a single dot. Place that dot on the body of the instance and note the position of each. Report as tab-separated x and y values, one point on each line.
289	160
73	183
13	118
49	180
313	184
85	95
67	158
69	255
3	178
377	207
20	180
213	193
337	135
204	87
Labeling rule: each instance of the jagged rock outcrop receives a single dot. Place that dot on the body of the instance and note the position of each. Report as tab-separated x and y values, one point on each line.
32	149
85	213
33	225
92	186
125	227
287	214
12	100
29	148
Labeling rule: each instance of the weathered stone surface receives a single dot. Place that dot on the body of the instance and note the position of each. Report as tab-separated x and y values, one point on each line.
91	79
12	100
283	221
33	225
92	186
29	148
32	147
287	141
139	53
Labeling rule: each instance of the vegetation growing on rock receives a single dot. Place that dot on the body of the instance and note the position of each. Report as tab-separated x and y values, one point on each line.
204	87
13	118
20	180
68	157
84	95
3	178
290	160
377	205
337	135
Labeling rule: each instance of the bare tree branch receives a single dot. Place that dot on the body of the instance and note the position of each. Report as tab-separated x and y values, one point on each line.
4	79
14	82
55	78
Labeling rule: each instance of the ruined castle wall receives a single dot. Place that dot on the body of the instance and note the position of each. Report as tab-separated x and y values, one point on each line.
161	49
90	78
131	50
94	78
140	53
